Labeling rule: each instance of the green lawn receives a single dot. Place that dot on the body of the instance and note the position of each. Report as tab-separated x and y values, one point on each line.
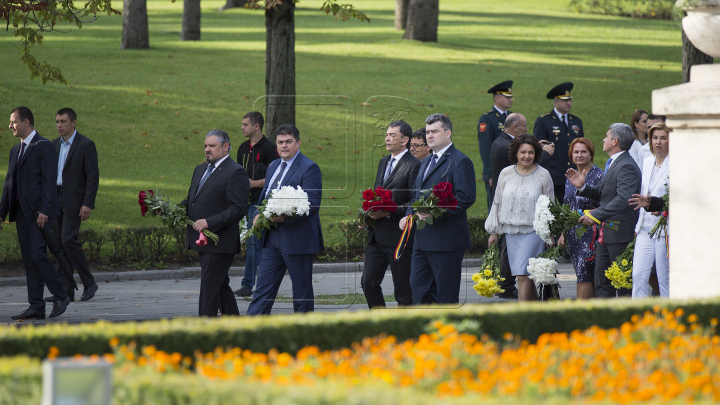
148	110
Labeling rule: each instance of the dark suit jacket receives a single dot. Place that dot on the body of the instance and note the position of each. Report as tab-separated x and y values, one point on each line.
499	156
302	234
449	232
550	128
490	126
36	178
401	182
222	201
80	176
615	189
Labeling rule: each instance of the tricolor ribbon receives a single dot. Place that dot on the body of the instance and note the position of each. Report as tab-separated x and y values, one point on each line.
587	214
404	238
667	238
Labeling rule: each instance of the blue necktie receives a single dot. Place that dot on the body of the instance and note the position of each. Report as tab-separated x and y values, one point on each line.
607	165
388	170
204	178
276	183
430	167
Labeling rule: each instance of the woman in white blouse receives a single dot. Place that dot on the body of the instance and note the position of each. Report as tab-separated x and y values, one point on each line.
513	209
652	249
638	124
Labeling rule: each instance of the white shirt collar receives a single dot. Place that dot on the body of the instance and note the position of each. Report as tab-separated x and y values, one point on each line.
499	110
29	138
558	113
217	164
614	158
442	151
399	155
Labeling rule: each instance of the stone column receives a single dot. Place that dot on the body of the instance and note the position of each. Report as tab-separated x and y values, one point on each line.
693	110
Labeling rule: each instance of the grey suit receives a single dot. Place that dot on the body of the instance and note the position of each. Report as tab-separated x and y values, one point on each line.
383	239
80	180
620	182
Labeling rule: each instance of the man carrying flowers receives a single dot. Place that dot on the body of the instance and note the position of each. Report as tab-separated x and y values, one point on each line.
395	179
216	202
439	247
292	243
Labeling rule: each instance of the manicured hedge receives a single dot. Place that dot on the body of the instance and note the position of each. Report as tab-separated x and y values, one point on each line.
291	332
660	9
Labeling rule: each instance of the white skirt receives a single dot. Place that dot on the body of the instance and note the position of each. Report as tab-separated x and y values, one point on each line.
521	247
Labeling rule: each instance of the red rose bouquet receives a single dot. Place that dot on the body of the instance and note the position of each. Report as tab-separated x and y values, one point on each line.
435	202
379	199
172	215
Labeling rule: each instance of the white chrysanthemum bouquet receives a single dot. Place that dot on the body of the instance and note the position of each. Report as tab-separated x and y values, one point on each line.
543	269
553	218
286	201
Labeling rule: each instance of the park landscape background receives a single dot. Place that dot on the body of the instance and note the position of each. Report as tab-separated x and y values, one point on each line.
148	110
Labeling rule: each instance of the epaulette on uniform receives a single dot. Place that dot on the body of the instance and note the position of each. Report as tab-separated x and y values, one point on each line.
488	112
545	115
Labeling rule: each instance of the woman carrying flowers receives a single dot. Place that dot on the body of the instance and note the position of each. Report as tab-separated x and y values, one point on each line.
582	249
513	209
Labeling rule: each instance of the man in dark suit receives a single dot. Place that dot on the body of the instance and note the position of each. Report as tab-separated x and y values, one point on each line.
31	178
516	125
396	172
292	244
77	185
621	180
490	125
439	248
558	128
217	201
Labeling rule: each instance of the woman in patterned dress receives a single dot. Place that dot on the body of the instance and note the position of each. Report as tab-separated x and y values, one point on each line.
582	250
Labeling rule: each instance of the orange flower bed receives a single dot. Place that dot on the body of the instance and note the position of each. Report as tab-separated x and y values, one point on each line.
655	357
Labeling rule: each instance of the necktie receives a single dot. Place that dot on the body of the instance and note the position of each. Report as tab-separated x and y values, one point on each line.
430	166
276	183
504	116
564	120
607	165
204	178
389	168
22	152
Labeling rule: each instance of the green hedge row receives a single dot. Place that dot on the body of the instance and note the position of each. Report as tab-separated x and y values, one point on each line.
660	9
328	331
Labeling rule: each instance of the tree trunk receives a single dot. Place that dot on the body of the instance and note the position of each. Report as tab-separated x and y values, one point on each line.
135	25
191	21
279	67
401	12
422	20
233	4
691	56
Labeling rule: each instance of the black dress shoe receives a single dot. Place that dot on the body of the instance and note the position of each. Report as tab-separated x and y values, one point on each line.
243	292
52	298
29	314
59	307
512	295
89	292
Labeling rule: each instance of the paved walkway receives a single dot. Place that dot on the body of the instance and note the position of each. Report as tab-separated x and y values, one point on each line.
143	299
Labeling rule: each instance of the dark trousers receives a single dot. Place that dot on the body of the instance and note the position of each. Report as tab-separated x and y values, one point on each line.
377	259
253	249
66	230
273	265
215	291
505	272
490	191
606	254
440	269
560	192
39	271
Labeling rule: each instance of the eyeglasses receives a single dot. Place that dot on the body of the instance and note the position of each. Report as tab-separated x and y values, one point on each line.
416	145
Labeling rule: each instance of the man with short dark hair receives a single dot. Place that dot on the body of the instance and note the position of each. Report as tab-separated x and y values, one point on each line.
77	185
621	180
439	247
293	242
557	129
30	181
396	172
490	125
217	200
255	155
418	145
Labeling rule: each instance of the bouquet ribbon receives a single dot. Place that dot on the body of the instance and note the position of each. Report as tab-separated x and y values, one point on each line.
592	243
404	238
587	214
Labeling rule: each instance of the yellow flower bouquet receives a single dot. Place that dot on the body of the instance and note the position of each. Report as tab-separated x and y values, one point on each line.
620	272
487	279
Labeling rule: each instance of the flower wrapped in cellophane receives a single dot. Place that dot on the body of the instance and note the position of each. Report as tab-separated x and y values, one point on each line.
172	215
543	270
488	278
285	201
620	272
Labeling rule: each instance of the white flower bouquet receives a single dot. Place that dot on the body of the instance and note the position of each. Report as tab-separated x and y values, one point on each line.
552	219
286	201
542	270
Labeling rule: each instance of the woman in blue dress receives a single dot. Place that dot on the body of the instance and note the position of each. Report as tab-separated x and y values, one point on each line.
582	250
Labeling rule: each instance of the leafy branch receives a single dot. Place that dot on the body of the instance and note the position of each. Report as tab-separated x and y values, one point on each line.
31	18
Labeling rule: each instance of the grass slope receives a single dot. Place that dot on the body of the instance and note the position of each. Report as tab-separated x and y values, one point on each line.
148	110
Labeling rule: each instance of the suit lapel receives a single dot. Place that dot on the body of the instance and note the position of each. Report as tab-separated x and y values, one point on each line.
291	170
398	166
73	146
37	138
215	174
440	160
381	171
271	170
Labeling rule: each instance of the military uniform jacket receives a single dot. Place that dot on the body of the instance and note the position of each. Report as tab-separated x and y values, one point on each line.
490	126
550	128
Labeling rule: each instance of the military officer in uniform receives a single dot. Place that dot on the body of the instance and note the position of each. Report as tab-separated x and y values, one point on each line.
558	128
490	126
